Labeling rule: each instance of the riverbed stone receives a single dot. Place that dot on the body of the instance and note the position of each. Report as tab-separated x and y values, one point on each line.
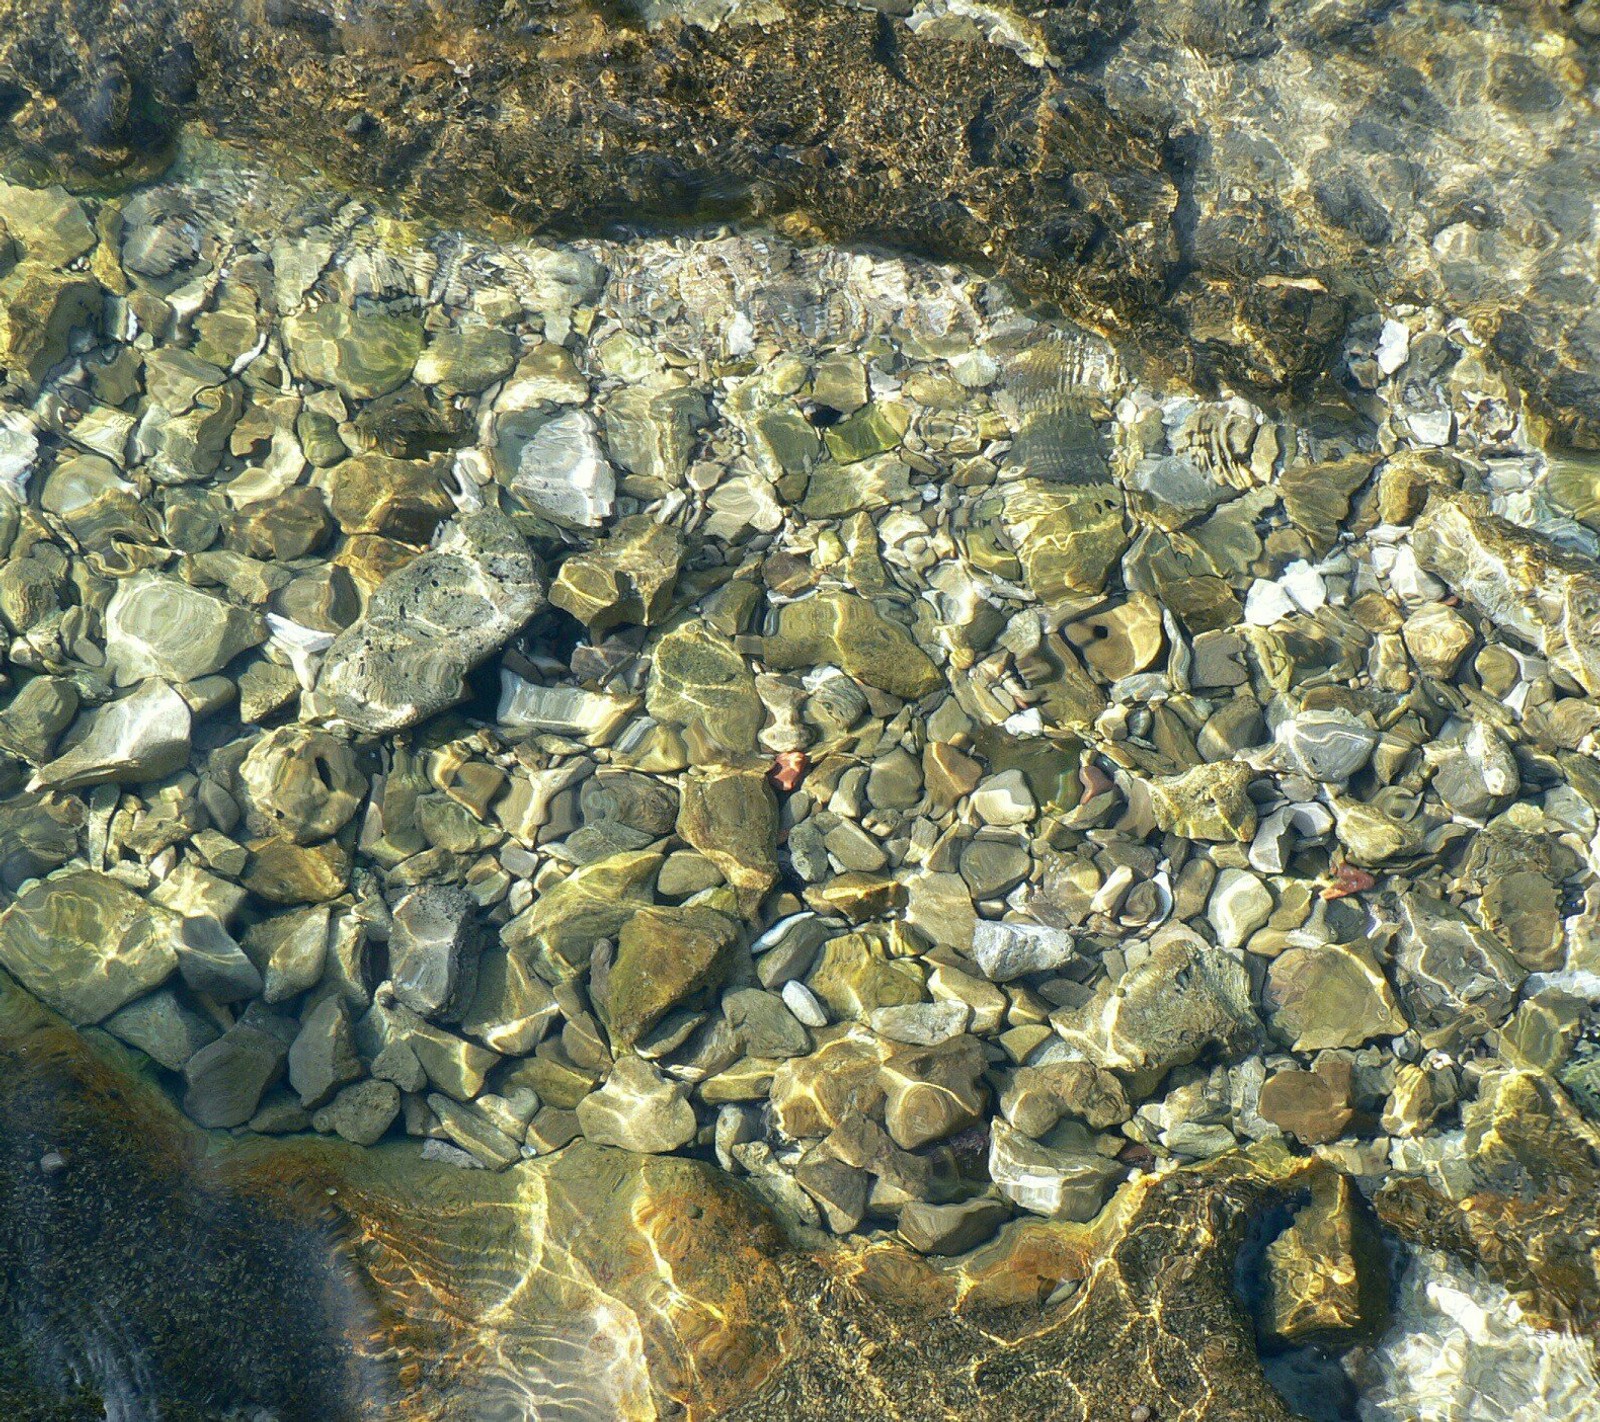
665	956
699	681
1206	802
638	1109
1183	999
161	627
850	632
1332	995
430	623
86	944
361	354
1065	1179
434	945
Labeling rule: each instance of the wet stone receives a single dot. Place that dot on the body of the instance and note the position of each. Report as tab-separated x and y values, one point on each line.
163	1026
141	736
374	493
362	1113
627	579
950	1229
431	623
1068	537
433	950
1455	979
557	467
300	783
1037	1097
664	957
1065	1178
1313	1106
1325	1274
86	945
765	1026
700	681
556	934
323	1055
933	1092
851	633
466	361
1005	951
211	962
362	355
637	1109
158	626
1208	802
1325	745
1182	1000
226	1079
1330	996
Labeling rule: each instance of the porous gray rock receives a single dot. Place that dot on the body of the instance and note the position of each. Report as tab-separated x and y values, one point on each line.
430	623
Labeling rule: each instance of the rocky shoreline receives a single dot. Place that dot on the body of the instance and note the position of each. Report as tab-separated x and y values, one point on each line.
810	713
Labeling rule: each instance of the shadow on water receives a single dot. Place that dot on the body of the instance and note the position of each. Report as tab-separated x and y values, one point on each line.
139	1281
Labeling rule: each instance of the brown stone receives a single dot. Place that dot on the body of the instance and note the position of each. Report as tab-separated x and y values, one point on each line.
1312	1106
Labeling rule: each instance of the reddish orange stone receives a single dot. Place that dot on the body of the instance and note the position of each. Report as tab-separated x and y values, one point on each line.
1347	880
788	770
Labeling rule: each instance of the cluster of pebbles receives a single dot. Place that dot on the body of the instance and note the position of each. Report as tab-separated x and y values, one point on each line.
789	705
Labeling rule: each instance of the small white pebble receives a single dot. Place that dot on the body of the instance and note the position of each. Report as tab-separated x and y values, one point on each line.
801	1001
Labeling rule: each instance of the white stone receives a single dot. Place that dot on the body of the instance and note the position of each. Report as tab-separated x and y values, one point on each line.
589	716
142	736
1004	800
1328	746
1066	1182
563	471
1410	583
801	1001
1008	950
921	1024
1394	346
1458	1349
1304	585
1240	904
1266	603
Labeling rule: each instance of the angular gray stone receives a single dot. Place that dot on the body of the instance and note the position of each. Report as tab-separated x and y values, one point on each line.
433	950
764	1023
361	1113
141	736
1009	950
212	963
163	1027
323	1056
430	623
226	1079
1186	997
950	1229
